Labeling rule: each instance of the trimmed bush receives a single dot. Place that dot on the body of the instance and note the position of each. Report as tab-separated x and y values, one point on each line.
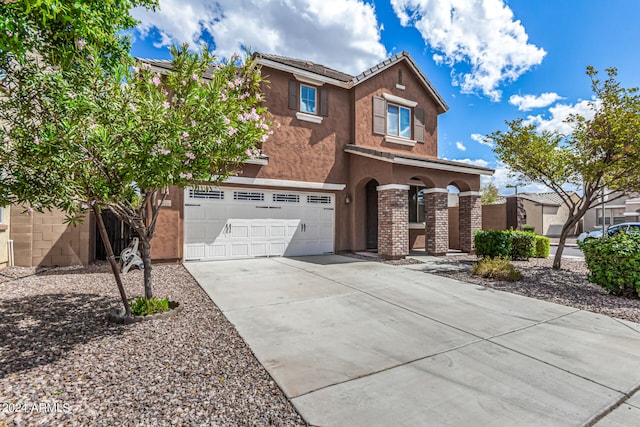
499	268
523	245
543	246
517	245
529	228
614	263
492	243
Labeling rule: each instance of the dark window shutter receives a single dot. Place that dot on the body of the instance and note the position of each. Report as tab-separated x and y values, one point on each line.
379	116
324	101
418	124
294	94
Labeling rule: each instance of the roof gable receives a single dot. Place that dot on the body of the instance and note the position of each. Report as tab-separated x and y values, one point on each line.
347	81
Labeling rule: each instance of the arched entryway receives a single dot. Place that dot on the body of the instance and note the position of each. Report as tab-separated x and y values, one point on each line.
371	214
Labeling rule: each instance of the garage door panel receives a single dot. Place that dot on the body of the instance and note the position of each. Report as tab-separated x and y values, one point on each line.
195	251
195	212
217	251
257	223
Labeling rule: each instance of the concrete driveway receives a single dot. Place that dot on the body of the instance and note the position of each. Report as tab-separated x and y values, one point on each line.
356	343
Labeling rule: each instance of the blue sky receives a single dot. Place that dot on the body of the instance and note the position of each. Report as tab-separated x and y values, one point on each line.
491	60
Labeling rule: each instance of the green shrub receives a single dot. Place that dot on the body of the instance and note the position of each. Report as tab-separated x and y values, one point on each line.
523	245
499	268
492	243
529	228
543	245
142	306
614	263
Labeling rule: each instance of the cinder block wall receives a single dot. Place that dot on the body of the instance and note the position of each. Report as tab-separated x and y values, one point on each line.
45	240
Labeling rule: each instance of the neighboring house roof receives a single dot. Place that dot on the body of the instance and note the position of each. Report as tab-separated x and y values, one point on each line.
418	161
347	81
546	199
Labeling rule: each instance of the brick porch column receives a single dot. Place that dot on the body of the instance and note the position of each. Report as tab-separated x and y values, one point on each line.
470	219
436	217
393	221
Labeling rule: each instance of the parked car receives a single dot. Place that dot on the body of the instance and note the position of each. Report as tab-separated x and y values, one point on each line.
625	227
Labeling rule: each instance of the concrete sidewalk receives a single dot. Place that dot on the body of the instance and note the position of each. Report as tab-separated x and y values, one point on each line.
356	343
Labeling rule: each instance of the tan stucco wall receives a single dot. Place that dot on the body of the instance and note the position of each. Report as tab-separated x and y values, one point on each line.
5	227
166	244
43	239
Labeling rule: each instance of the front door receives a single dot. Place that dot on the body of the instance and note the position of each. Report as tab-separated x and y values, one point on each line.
371	194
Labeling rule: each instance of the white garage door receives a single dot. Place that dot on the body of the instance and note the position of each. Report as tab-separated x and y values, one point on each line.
222	223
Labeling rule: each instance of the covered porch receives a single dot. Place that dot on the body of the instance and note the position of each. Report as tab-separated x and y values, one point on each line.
397	196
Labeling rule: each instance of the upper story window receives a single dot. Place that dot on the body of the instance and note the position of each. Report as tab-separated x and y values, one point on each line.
398	121
308	99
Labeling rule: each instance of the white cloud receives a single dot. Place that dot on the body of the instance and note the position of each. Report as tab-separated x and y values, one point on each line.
481	139
342	34
529	102
559	113
504	177
477	162
460	146
481	34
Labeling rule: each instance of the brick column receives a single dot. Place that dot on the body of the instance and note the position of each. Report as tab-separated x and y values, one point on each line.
470	219
393	221
436	217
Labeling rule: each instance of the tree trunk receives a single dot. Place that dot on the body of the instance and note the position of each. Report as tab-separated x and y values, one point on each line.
111	257
145	252
561	242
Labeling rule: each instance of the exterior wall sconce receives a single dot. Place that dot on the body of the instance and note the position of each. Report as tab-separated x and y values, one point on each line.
347	199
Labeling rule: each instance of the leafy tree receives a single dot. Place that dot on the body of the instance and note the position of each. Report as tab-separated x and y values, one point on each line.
490	194
51	32
53	28
120	139
600	157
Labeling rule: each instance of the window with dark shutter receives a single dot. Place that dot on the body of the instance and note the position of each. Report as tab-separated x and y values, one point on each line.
379	116
324	101
418	124
293	94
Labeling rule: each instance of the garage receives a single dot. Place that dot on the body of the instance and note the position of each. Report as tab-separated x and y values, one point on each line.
226	223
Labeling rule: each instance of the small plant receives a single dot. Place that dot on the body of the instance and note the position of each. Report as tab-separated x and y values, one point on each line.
543	246
498	268
528	228
143	307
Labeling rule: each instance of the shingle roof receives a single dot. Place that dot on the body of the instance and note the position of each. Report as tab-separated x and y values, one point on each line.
547	199
426	162
308	66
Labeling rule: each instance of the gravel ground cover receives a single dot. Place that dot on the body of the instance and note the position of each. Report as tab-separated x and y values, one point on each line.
62	363
568	286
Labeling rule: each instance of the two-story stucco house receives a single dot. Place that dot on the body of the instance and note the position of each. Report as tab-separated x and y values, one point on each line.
352	165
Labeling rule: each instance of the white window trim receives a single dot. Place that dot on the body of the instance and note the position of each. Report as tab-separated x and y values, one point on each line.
399	140
308	80
315	89
308	117
400	101
417	226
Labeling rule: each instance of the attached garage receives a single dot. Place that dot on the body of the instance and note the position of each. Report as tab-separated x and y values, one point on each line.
226	223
